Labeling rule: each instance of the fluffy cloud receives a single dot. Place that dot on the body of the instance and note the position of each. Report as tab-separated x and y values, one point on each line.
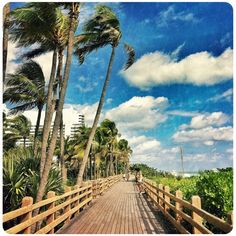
204	135
205	129
205	120
139	113
201	68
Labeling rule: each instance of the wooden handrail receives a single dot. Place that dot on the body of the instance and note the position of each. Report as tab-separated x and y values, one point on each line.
161	198
56	209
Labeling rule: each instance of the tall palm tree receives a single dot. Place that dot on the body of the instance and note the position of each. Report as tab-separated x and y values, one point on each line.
101	30
45	25
74	9
6	15
111	137
26	90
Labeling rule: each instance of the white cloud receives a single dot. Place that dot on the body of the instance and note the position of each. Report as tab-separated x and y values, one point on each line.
45	61
225	96
171	15
87	88
204	135
183	113
139	113
226	39
201	68
205	120
14	53
176	52
109	101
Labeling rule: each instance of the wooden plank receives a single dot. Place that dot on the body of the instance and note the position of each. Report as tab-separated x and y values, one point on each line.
68	206
189	219
120	214
27	201
50	218
167	198
196	201
178	205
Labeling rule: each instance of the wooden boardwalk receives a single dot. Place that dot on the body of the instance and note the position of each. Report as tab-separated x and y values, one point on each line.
121	210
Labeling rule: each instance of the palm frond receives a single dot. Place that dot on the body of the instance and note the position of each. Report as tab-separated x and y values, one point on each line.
23	107
131	56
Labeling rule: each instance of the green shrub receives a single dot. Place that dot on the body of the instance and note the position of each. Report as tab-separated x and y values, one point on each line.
21	177
216	191
214	188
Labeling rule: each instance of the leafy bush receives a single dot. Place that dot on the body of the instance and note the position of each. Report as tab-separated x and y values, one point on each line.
21	177
214	188
186	185
216	191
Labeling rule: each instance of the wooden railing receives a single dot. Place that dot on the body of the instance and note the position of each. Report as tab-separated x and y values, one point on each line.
178	210
55	212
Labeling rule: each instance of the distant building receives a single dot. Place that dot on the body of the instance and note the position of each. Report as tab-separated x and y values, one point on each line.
75	127
29	140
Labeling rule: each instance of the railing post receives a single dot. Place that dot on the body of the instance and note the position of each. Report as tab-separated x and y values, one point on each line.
90	194
51	205
167	198
27	201
67	208
76	187
178	206
230	218
94	188
196	201
160	194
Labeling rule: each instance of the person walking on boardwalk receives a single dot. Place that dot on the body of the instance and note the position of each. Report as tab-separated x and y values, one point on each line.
139	178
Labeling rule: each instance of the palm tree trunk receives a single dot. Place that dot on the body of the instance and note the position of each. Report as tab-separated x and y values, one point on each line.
40	108
48	114
73	22
95	168
24	138
107	167
6	11
62	144
116	166
111	166
96	120
91	168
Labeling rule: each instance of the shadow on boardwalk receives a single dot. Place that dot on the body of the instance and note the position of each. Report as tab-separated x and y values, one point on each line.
121	210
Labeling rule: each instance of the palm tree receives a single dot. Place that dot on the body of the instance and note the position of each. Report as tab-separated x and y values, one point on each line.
45	25
111	136
26	87
74	9
20	126
125	152
9	137
101	30
6	14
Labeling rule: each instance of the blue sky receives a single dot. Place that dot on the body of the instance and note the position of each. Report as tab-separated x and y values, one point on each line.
178	92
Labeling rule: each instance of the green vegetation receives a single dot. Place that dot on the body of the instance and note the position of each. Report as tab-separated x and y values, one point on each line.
21	177
214	188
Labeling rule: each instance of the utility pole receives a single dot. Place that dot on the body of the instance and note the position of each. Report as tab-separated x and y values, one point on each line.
182	160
